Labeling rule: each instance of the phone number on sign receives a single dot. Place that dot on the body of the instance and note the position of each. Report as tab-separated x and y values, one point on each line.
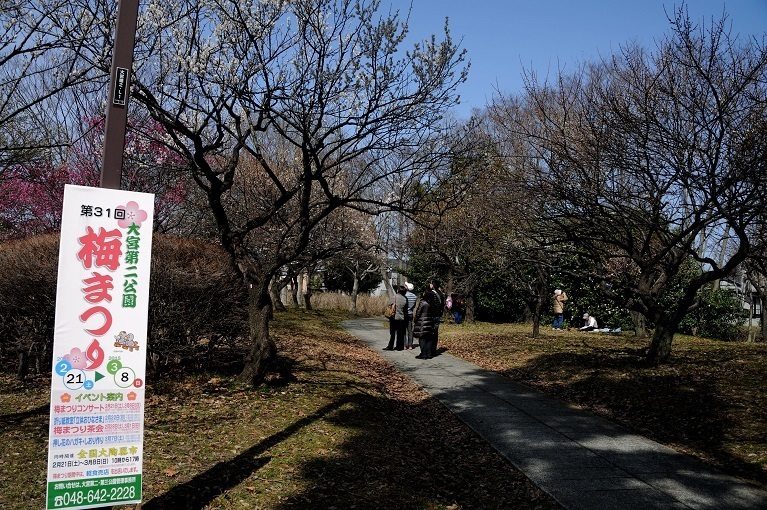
80	496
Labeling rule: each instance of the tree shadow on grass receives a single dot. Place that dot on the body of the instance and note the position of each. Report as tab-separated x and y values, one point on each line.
667	404
198	492
413	455
8	421
394	455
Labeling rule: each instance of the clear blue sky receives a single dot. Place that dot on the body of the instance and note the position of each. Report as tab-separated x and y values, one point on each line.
504	36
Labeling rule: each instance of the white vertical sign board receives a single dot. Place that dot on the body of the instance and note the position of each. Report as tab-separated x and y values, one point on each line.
95	441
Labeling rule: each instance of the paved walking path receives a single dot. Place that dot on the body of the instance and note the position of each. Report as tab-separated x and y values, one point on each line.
583	461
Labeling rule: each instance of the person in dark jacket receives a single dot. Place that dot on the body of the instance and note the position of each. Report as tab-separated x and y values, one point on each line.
438	308
425	323
457	308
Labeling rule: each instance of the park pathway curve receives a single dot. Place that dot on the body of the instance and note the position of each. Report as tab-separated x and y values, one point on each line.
583	461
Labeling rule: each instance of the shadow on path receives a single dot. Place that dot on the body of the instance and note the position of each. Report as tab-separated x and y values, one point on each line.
583	461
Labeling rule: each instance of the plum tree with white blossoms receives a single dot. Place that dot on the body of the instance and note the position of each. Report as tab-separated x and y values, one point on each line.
359	120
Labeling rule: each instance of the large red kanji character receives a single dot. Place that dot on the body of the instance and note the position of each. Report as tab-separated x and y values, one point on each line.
87	314
102	249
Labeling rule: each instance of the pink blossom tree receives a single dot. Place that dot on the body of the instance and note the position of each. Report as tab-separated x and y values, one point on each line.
31	193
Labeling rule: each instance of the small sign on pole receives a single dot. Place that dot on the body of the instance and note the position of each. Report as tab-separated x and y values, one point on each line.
121	86
95	441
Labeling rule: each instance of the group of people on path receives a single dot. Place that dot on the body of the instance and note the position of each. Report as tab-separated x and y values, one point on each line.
414	318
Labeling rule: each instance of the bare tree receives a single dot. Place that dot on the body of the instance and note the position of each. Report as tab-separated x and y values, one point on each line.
640	155
41	57
365	257
359	119
755	269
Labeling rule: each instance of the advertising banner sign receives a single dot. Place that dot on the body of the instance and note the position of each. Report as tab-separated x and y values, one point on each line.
95	441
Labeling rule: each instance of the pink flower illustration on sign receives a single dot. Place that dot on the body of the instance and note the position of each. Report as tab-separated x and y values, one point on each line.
76	358
132	215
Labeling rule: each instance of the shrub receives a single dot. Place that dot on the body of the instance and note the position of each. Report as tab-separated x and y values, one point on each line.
720	316
197	302
28	301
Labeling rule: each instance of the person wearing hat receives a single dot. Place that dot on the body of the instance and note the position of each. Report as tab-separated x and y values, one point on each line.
591	323
559	309
411	300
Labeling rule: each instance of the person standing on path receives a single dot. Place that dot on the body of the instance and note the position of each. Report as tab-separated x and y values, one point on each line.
424	324
397	324
559	309
439	306
411	300
392	324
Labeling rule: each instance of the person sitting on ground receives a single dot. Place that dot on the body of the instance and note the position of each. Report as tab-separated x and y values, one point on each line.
591	323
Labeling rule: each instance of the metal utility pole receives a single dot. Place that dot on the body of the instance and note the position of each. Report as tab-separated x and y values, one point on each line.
119	90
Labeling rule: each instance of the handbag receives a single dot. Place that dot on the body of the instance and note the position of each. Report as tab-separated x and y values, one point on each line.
390	311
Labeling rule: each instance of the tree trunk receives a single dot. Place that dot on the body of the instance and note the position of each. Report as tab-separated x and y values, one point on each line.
537	308
274	293
294	292
262	347
353	297
751	332
758	283
387	280
640	324
308	301
449	283
468	302
762	323
660	346
23	367
301	284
